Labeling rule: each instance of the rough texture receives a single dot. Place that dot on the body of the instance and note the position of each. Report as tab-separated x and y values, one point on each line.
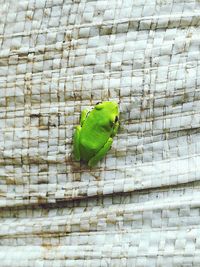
140	205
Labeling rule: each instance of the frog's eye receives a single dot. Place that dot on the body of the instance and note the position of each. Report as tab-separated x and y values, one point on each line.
98	103
99	106
116	119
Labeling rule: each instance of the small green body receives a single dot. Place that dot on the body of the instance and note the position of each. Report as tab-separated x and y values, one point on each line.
94	136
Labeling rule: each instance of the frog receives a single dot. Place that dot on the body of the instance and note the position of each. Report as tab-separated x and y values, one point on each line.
93	137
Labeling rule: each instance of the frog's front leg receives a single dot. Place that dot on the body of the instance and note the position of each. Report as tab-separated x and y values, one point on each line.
76	142
84	114
115	130
101	153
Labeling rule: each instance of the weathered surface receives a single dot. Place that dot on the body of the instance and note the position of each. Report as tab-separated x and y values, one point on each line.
140	205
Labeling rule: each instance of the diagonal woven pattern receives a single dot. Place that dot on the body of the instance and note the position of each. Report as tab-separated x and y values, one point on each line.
140	205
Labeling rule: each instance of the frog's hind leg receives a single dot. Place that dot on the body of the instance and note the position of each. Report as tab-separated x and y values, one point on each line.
76	143
101	153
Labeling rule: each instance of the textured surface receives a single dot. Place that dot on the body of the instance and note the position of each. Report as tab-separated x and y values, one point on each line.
140	205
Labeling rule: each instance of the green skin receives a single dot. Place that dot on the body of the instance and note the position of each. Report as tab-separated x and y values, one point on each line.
94	136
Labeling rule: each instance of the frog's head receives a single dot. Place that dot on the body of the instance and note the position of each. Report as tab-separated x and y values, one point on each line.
110	108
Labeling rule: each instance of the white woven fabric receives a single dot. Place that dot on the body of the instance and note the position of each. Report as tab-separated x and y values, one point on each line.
140	205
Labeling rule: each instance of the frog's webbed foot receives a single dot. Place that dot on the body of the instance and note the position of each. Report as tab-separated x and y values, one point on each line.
101	153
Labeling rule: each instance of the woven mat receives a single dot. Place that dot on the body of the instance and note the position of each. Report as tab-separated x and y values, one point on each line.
140	205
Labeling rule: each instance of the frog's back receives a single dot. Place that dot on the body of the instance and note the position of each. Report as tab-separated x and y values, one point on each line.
93	135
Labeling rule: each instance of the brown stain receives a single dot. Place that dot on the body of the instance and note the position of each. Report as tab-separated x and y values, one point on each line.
10	181
38	115
183	99
97	177
47	246
41	200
